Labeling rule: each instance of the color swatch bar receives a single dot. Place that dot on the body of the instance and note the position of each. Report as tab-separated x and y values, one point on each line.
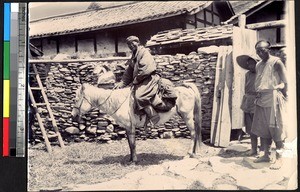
6	79
20	81
14	34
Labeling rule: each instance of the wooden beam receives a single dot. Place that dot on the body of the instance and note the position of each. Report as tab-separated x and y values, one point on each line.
41	44
234	19
76	44
78	60
57	45
116	43
204	22
212	16
204	13
95	42
242	21
267	25
278	30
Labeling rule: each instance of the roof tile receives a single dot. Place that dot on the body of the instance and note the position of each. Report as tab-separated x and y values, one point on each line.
190	35
112	17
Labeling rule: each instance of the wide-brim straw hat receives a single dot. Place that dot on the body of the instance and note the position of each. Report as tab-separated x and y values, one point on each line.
242	61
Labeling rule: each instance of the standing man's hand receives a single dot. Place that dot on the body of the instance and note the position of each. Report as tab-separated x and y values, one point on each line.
284	92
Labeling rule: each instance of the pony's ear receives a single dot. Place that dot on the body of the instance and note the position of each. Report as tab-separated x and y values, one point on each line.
83	87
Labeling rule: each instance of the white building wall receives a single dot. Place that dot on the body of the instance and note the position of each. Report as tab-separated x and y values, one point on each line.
67	45
105	44
49	47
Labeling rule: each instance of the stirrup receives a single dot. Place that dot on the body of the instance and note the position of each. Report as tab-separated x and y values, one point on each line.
147	121
154	119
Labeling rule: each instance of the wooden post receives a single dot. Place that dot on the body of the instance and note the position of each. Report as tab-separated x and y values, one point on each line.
242	21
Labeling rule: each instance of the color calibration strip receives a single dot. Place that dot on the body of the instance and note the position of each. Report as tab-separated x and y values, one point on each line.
21	81
14	79
6	80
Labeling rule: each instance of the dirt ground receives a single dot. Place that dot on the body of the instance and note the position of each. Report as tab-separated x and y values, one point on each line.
91	164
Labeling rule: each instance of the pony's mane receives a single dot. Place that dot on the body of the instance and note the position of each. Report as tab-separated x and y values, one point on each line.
92	88
87	85
106	67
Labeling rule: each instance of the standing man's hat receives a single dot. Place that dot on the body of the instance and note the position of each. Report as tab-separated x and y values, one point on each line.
132	38
242	61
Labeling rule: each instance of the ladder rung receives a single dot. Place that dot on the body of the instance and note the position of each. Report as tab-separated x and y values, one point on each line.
35	88
41	104
52	136
49	110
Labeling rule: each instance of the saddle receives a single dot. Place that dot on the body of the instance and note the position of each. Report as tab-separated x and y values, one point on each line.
165	99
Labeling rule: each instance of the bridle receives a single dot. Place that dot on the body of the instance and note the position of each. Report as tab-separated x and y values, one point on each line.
79	107
84	98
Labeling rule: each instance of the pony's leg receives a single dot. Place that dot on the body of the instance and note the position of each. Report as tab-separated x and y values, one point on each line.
196	143
131	142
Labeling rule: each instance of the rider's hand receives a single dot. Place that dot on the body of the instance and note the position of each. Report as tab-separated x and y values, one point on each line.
119	85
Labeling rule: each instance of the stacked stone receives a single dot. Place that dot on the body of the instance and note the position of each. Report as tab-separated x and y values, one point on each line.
198	68
62	80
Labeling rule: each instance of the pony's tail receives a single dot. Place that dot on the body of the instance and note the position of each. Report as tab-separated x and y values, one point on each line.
197	117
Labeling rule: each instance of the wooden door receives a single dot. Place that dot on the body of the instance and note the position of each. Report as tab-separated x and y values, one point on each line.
244	41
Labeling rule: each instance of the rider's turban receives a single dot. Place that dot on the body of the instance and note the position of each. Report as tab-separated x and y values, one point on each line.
132	38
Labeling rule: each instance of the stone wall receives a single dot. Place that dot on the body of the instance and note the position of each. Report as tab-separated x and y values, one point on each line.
61	81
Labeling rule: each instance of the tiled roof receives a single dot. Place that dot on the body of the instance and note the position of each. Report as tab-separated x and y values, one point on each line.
191	35
113	17
242	7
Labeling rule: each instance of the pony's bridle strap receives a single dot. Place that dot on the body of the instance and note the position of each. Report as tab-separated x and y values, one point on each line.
106	98
78	108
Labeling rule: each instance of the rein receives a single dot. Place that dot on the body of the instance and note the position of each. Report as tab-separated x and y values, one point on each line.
119	106
84	97
107	97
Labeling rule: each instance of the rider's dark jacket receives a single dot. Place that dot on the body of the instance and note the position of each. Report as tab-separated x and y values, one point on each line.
141	72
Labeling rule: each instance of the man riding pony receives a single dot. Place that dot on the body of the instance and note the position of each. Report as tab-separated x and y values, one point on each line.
141	72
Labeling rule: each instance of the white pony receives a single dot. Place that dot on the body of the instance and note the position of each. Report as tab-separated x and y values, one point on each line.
119	105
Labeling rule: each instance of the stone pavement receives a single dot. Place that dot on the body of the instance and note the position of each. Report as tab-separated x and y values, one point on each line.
229	170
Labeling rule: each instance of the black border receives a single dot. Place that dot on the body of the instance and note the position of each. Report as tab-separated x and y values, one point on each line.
13	170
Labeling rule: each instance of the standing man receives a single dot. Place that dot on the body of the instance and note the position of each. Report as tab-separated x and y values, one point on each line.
248	106
271	88
141	72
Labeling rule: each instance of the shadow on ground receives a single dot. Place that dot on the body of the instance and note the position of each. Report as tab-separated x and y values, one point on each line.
232	153
143	159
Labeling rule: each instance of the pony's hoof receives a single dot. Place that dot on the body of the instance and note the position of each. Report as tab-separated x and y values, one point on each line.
133	161
193	155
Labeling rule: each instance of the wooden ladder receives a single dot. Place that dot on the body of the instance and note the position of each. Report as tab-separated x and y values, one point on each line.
47	104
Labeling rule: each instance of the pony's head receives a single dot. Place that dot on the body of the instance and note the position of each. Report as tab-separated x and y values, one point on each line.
82	104
105	74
